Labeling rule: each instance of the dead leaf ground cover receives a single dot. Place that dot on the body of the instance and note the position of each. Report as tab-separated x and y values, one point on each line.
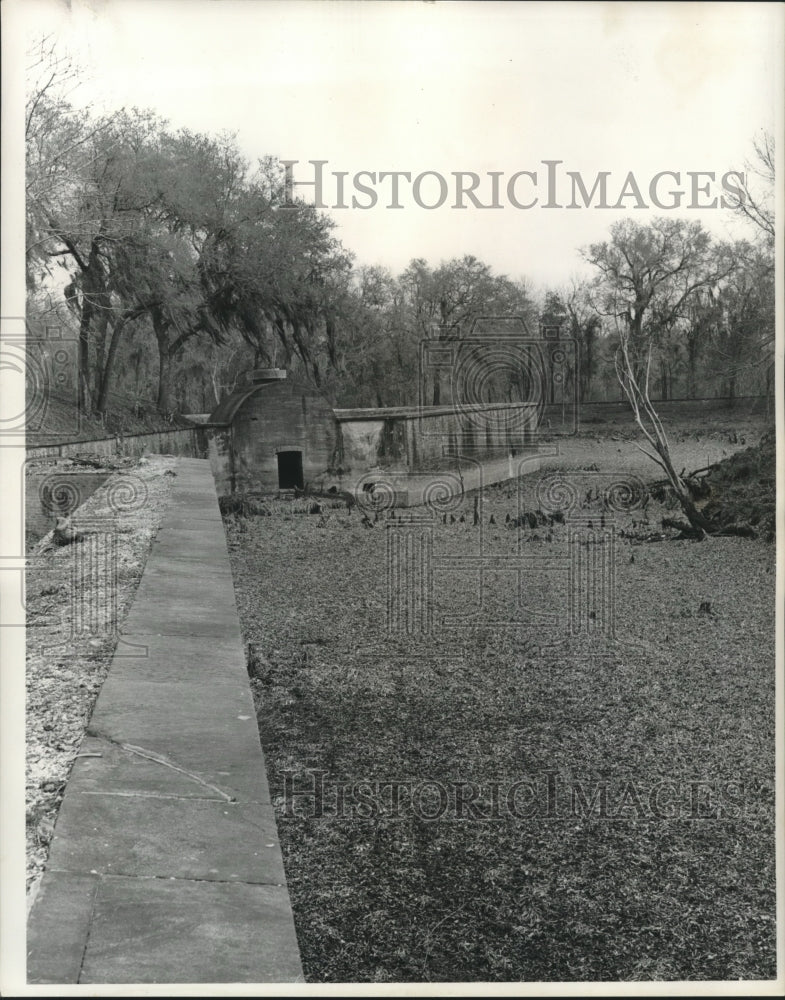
638	842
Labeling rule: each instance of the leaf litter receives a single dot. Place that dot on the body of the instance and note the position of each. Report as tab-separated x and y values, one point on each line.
679	703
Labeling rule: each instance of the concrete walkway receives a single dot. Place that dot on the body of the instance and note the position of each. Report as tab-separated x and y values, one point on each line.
165	865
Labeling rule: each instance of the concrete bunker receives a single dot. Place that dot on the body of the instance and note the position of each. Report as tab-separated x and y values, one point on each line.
272	434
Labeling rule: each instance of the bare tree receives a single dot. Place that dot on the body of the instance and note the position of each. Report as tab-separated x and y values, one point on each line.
636	389
757	206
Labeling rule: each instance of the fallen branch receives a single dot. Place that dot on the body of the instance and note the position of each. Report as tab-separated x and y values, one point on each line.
740	528
715	530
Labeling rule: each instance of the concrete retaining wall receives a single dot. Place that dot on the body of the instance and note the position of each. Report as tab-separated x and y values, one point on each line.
413	455
424	438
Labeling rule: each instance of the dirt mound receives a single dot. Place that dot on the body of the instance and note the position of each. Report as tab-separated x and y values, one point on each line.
742	488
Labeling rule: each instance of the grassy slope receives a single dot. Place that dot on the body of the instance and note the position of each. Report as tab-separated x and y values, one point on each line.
681	697
60	420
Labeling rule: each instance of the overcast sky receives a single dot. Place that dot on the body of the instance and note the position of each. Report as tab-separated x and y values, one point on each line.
447	87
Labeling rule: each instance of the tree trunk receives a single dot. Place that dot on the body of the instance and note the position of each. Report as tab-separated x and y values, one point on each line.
587	366
137	374
103	386
83	392
94	298
161	330
694	516
164	378
99	362
692	366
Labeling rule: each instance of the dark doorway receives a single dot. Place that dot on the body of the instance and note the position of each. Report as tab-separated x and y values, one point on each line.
290	470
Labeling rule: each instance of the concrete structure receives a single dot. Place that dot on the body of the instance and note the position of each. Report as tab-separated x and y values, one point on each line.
165	865
272	435
418	453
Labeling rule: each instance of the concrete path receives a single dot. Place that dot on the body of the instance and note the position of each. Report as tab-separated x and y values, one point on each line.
165	865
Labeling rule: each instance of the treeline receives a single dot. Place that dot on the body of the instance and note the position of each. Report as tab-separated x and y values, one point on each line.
175	265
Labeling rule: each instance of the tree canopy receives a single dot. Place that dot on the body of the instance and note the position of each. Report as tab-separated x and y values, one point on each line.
177	264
